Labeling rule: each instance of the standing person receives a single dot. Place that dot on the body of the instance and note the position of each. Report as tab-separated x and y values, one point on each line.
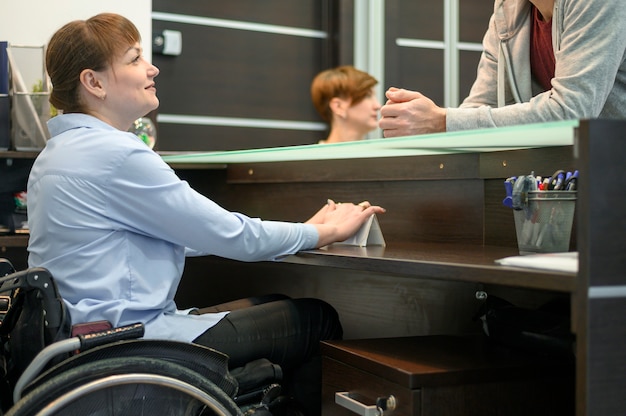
113	223
543	60
344	97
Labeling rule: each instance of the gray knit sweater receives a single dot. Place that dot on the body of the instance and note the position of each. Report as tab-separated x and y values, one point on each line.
589	40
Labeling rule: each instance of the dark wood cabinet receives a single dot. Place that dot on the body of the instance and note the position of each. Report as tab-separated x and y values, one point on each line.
442	376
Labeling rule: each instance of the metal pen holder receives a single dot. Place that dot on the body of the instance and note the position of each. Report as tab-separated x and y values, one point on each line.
544	224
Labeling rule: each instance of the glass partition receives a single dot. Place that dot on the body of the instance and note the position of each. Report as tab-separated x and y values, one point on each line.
483	140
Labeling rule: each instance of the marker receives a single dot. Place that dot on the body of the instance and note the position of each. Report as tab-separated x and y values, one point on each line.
508	187
559	181
572	182
554	178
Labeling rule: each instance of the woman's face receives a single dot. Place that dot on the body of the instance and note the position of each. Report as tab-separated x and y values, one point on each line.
130	88
365	113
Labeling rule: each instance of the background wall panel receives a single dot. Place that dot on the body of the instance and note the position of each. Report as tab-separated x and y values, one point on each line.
243	77
243	82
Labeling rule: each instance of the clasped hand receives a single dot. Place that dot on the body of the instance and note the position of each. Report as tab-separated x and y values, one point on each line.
409	113
340	221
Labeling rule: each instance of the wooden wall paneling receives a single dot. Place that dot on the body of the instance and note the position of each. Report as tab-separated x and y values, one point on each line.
237	73
303	13
417	69
468	65
474	18
415	19
244	74
436	209
392	69
344	33
416	210
421	70
429	167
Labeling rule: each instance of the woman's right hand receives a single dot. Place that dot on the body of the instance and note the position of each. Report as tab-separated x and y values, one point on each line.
340	221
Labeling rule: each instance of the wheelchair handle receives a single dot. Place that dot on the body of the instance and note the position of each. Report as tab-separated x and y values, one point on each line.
121	333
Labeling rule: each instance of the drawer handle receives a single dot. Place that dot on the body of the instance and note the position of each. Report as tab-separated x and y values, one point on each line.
383	406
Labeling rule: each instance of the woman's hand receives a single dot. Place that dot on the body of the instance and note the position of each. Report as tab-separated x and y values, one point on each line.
339	221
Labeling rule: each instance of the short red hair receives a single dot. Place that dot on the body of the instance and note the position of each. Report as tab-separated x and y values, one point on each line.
345	82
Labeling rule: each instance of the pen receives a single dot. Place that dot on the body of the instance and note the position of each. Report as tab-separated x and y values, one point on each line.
553	179
521	187
567	176
508	187
571	183
559	181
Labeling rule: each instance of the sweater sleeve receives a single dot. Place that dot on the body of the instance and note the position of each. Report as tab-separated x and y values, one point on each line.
591	44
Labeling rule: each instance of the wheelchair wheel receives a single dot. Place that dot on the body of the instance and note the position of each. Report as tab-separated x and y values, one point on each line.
124	387
209	363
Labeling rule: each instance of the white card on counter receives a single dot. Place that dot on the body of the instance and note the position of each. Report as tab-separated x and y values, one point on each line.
369	234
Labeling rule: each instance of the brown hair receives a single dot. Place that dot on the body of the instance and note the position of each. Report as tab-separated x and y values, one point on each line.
85	44
344	82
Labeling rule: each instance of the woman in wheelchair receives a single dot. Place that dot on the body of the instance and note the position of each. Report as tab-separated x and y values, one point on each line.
113	223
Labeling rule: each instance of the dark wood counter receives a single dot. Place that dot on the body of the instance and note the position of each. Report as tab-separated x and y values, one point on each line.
466	263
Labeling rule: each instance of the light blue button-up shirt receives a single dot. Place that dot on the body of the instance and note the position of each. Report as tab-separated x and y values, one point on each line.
113	224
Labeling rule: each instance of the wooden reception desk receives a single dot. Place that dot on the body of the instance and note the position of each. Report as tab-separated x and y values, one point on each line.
445	226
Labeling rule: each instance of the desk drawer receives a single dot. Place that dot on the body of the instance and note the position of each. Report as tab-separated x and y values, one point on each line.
365	388
444	376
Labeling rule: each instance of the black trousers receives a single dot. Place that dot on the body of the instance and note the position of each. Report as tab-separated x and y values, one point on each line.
285	331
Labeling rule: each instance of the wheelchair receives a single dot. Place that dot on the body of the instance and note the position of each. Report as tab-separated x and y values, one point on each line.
49	367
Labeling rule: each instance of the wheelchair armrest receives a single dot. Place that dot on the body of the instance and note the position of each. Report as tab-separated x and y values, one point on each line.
108	336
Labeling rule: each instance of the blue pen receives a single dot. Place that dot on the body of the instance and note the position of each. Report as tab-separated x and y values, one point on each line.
571	183
508	187
554	179
521	187
559	181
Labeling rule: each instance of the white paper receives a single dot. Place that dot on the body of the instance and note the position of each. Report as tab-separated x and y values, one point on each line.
369	234
561	262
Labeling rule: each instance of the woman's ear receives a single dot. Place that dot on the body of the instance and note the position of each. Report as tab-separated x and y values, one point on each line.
338	106
92	83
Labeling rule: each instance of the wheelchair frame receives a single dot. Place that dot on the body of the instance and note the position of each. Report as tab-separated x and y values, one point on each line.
38	377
